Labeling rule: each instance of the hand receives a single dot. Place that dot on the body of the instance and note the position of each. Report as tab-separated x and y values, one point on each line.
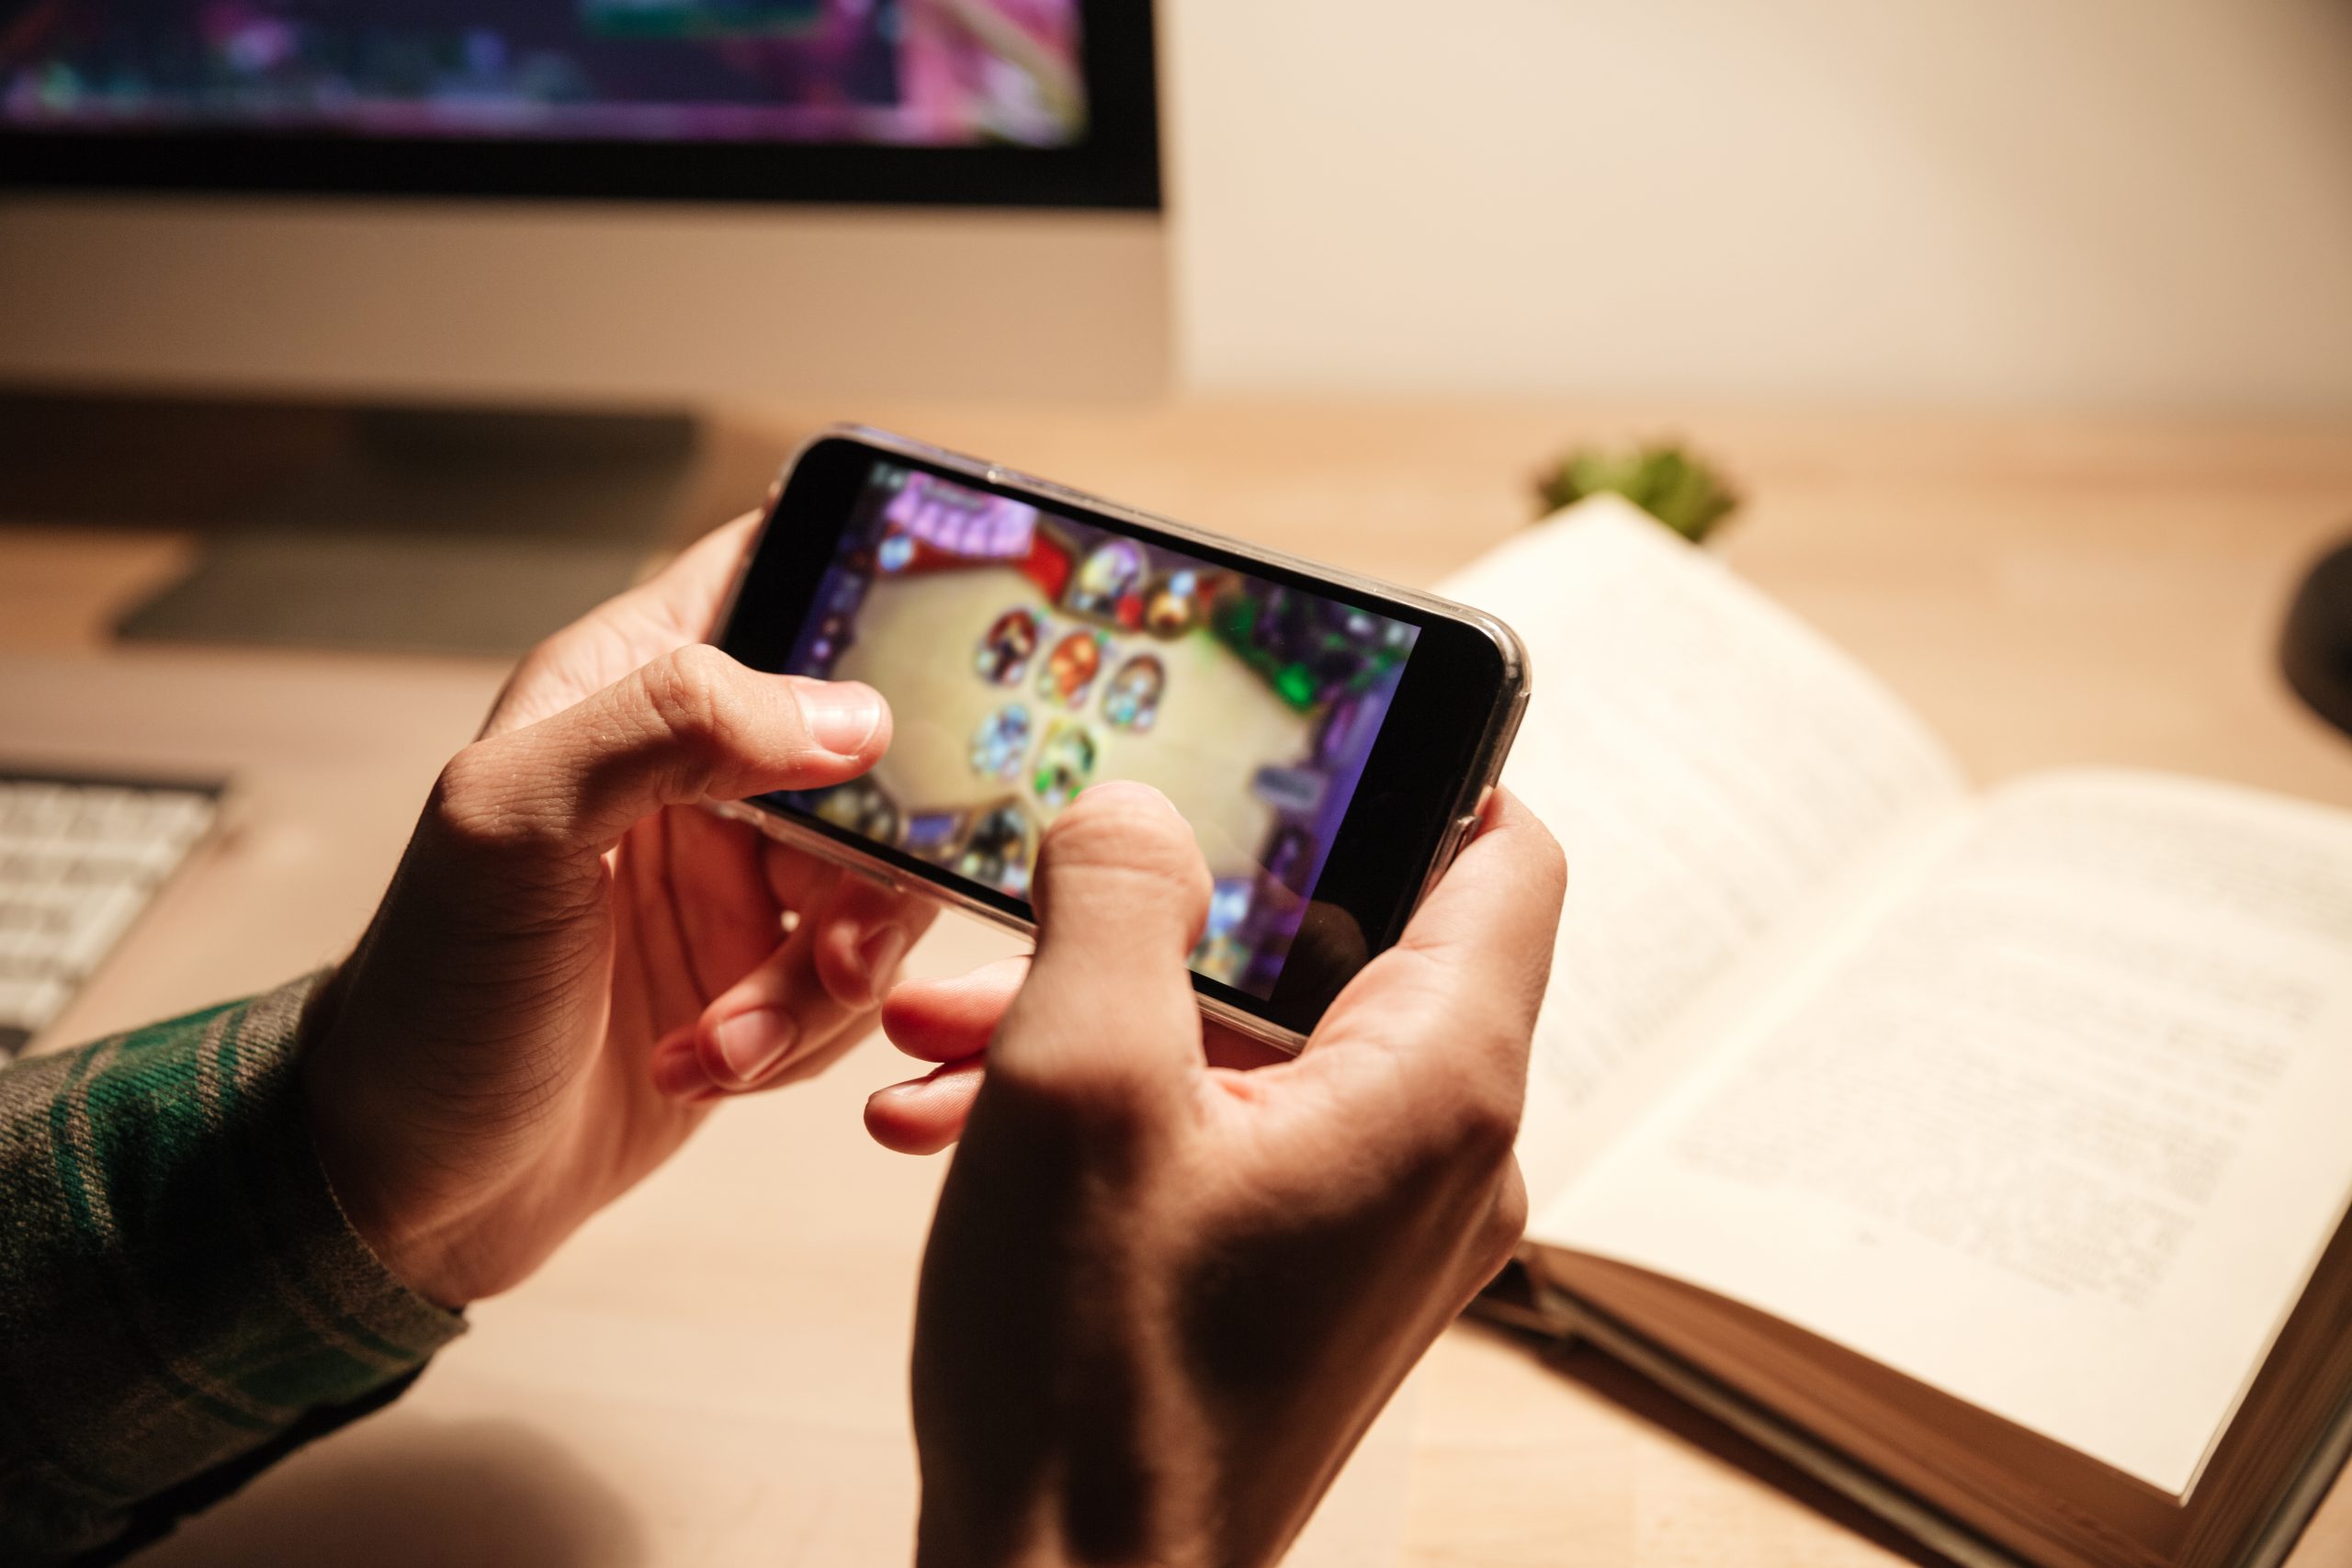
575	960
1163	1298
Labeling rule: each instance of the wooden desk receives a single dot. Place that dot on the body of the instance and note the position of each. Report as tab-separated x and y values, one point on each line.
713	1371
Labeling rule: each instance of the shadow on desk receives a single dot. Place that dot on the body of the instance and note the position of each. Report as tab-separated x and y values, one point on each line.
397	1493
1637	1395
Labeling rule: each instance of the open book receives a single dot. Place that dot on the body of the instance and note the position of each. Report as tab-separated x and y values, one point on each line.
1989	1154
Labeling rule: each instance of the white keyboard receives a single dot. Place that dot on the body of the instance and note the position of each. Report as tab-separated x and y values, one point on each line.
79	859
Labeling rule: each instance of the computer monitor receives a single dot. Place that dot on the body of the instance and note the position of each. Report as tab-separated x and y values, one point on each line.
634	200
617	206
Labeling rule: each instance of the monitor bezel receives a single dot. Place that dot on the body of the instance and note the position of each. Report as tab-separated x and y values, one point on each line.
1114	166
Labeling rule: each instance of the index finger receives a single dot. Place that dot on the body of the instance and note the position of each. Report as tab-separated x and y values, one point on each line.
686	593
678	605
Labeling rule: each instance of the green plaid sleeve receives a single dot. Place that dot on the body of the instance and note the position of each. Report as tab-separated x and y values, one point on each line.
182	1300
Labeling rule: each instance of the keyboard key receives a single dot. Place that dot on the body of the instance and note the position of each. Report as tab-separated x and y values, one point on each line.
30	1004
78	862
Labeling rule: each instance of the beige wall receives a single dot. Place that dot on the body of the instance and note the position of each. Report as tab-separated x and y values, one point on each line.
2093	202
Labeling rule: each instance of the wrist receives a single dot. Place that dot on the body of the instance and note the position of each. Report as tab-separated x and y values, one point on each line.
1056	1530
941	1543
335	1107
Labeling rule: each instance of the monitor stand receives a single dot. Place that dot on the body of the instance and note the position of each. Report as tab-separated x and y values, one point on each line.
413	530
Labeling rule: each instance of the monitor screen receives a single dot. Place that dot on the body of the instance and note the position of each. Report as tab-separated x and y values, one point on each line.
1047	101
955	74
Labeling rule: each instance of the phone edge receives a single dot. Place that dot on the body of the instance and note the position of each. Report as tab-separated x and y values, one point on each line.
1512	692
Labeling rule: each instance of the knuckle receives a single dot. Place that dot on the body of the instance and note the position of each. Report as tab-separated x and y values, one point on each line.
1076	1099
1506	1217
492	808
1484	1127
692	699
1501	1228
1548	860
1051	1068
535	669
472	802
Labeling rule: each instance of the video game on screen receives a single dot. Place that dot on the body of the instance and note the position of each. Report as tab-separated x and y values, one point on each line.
1026	655
886	73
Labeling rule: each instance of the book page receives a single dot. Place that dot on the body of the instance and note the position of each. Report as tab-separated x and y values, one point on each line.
1712	768
2062	1133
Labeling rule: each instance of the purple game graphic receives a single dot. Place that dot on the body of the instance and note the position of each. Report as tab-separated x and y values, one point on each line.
925	73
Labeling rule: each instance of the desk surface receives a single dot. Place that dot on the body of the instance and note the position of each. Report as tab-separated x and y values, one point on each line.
713	1372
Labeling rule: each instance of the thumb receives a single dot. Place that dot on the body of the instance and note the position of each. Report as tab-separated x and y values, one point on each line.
692	725
1106	1014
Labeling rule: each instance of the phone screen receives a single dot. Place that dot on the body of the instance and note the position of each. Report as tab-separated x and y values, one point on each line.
1026	655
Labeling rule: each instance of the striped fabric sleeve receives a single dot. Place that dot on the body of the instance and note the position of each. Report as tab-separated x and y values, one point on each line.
181	1297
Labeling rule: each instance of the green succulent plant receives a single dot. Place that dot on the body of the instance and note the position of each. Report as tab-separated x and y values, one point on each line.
1670	484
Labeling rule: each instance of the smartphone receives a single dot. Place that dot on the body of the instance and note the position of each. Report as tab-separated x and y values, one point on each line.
1329	738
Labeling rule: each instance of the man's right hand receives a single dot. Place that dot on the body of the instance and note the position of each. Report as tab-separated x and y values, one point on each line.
1163	1298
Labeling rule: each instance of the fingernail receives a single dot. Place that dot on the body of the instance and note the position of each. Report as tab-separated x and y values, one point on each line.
752	1042
1137	791
842	715
877	955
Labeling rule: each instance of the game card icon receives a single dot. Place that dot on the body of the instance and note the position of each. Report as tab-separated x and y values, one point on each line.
1132	700
1065	765
997	852
1002	743
1109	582
933	834
1171	610
1070	669
1005	651
861	807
